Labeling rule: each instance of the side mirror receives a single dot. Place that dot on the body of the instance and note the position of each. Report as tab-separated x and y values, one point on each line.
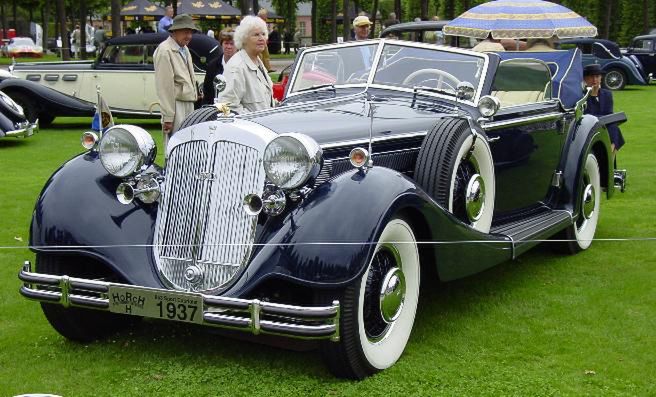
465	91
219	84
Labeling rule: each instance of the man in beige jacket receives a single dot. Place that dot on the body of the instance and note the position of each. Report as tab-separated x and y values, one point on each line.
175	81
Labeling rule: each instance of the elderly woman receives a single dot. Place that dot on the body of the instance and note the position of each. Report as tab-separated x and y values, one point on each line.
249	87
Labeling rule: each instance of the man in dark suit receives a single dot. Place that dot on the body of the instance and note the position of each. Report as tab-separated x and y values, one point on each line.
216	64
600	103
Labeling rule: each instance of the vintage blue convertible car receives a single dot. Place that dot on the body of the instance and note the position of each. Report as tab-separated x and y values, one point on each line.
314	219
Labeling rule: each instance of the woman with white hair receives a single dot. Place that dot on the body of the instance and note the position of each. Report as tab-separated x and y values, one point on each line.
249	87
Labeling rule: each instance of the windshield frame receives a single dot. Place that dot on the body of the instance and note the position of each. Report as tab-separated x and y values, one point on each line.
375	64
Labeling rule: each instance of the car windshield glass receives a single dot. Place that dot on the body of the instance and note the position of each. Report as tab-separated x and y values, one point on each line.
412	67
23	41
338	65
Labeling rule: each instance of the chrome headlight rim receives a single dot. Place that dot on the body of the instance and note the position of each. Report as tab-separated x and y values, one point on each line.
143	147
488	105
312	154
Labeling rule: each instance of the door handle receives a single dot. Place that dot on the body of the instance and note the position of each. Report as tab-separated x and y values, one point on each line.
494	139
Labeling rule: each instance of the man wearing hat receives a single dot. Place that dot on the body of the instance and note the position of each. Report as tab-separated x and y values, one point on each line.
600	102
361	26
175	81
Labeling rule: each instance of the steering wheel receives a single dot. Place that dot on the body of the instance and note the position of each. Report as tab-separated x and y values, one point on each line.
441	76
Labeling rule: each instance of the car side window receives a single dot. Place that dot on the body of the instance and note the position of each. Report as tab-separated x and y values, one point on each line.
642	46
124	54
534	86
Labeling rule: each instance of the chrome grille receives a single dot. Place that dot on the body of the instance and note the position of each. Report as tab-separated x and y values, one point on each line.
203	234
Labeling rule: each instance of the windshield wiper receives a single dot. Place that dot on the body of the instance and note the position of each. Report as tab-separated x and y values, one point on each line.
416	89
317	87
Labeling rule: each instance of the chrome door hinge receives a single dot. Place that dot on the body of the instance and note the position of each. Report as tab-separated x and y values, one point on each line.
557	179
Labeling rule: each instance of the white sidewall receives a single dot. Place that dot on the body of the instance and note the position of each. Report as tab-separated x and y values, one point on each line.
586	232
384	353
483	157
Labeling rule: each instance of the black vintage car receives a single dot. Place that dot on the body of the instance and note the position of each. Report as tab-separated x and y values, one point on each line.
314	219
123	72
644	49
12	119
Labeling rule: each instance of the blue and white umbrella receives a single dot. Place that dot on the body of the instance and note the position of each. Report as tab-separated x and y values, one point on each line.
520	19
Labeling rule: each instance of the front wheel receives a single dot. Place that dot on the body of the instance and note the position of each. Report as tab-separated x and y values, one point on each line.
378	311
579	235
81	325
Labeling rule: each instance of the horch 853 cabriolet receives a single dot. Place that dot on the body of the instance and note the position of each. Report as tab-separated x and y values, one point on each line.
314	219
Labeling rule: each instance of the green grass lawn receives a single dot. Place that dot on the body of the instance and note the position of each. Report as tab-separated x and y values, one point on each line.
544	324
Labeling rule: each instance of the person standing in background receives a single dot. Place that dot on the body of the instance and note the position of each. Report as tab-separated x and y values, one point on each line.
266	58
166	21
76	41
216	65
600	103
361	26
248	85
99	38
175	81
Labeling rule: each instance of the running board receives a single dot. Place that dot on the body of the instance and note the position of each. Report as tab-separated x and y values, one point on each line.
528	232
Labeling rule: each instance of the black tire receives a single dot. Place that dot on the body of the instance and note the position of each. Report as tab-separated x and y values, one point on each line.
45	119
80	325
368	342
450	159
614	79
201	115
579	235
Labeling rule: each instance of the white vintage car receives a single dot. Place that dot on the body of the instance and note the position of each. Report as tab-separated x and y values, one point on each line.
124	72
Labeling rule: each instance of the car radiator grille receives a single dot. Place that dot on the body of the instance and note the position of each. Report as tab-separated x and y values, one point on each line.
203	235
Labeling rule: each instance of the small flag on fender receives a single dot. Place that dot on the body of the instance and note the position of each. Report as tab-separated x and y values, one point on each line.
102	119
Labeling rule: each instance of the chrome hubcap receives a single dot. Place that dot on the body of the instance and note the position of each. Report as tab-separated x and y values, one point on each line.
392	294
475	197
588	201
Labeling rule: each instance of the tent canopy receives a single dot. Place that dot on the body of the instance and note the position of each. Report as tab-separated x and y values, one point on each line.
141	10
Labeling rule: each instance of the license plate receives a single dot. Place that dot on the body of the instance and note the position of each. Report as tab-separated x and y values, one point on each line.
167	305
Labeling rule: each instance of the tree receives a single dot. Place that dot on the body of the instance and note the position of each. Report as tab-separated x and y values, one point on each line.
116	18
333	20
374	12
345	21
63	30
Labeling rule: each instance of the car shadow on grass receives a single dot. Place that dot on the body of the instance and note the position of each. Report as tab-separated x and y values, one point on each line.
13	143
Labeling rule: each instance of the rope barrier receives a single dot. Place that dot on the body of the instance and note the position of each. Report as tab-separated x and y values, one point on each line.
321	243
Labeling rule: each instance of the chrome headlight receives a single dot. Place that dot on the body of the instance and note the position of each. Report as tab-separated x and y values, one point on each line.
124	149
488	105
290	160
11	103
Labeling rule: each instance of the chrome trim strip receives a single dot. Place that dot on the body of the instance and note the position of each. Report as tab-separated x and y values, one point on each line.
362	141
494	125
248	315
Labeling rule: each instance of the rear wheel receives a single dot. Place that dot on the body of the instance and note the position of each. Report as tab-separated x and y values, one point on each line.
82	325
614	79
579	235
378	311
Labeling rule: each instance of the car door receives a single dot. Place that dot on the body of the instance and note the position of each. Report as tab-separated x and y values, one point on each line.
122	74
526	135
645	51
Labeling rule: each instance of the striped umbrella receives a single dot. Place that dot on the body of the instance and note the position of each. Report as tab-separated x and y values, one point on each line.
520	19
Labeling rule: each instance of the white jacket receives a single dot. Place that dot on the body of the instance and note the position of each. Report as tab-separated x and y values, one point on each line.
249	87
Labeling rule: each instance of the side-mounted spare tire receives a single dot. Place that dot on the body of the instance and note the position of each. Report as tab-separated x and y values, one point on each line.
455	167
201	115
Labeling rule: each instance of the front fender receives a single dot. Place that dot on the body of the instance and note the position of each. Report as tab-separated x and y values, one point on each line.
631	71
48	99
78	208
586	135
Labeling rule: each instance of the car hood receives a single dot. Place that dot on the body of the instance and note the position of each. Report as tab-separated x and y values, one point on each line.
347	118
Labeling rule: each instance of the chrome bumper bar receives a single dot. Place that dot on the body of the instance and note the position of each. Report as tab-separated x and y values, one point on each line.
25	129
250	315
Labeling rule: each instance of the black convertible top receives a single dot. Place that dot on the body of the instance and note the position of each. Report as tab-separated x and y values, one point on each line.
414	27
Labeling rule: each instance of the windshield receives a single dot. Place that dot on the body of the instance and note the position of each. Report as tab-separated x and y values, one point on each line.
399	66
22	41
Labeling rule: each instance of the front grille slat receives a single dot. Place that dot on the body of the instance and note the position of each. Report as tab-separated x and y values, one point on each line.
201	221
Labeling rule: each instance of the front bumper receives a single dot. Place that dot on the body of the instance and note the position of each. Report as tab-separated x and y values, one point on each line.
24	129
250	315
